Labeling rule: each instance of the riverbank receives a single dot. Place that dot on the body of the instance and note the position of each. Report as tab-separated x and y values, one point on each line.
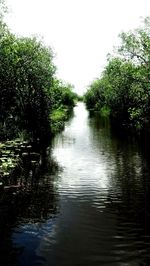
58	118
13	153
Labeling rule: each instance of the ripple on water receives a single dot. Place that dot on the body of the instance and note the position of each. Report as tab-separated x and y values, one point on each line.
101	201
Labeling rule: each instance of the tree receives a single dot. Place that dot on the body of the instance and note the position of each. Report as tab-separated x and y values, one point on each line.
26	79
126	80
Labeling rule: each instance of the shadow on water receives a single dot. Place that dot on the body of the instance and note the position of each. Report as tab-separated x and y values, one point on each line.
27	201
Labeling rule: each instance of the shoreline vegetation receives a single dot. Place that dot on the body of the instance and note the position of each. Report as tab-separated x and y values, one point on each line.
122	92
34	103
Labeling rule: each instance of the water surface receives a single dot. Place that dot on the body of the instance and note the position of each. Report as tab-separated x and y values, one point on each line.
92	209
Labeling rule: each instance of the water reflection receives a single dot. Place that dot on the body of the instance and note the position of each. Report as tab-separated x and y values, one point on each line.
102	194
90	207
128	196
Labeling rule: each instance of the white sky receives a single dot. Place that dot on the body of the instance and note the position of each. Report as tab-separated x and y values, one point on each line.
81	32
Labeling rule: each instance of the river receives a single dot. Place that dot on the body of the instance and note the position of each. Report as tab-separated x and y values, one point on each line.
90	208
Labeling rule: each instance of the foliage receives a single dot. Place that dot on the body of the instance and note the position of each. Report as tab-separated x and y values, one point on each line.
26	78
62	100
58	117
62	94
124	86
29	90
3	9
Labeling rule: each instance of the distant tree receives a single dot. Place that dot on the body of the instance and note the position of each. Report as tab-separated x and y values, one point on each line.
62	94
3	8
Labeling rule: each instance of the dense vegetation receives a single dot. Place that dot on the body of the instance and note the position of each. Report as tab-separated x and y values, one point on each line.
30	93
123	90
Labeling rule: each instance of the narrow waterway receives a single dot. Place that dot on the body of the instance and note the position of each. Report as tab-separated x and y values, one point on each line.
93	209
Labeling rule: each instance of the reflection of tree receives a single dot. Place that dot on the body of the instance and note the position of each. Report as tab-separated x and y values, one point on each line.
29	198
129	199
129	190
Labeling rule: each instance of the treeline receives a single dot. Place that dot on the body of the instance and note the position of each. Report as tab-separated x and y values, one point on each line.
29	90
123	90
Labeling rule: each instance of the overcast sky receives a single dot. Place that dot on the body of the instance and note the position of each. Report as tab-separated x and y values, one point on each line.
81	32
